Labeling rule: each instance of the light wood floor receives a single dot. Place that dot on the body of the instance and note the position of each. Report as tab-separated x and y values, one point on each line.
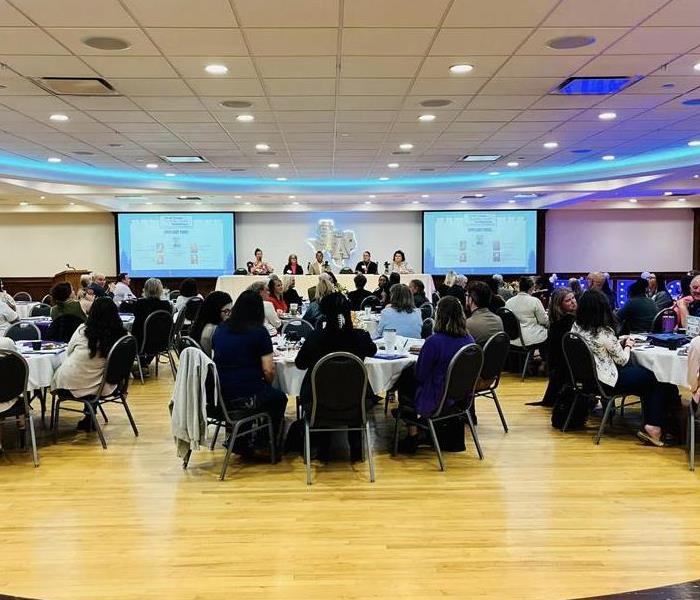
545	516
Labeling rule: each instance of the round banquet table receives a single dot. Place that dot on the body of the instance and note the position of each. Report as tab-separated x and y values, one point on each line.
667	365
42	366
24	309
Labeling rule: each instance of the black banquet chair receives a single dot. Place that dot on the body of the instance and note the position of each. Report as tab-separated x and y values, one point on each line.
117	372
14	380
657	323
338	388
495	353
372	302
511	326
427	311
460	384
585	383
297	329
23	331
156	340
62	328
426	329
22	297
40	310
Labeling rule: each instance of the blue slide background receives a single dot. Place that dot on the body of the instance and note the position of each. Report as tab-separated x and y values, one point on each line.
432	238
225	258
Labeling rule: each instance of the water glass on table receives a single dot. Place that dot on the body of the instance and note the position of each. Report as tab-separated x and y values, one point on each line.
390	339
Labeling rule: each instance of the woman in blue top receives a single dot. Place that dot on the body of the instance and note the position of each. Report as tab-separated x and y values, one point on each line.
243	358
422	389
401	314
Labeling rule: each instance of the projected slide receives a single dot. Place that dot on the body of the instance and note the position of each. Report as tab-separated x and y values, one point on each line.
176	244
480	242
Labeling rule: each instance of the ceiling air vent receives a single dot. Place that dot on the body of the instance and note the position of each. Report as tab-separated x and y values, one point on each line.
472	196
594	86
76	86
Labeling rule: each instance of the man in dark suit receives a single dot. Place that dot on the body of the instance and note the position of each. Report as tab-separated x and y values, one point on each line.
360	293
366	266
99	286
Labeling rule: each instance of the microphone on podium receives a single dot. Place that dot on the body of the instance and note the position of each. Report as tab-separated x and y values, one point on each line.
72	268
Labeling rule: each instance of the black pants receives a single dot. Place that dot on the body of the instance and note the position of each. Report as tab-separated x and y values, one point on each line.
558	378
272	401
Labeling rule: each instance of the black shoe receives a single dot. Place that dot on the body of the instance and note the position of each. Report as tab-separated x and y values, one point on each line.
85	424
409	444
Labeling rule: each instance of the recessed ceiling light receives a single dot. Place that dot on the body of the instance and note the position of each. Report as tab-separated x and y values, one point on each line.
462	201
608	157
393	165
151	166
696	66
425	195
415	202
371	196
478	195
72	203
281	179
569	42
149	203
696	176
633	200
273	165
216	69
247	203
513	163
461	69
170	174
694	143
59	117
551	145
383	179
262	147
291	197
24	203
668	193
245	118
106	43
511	201
236	103
367	202
406	146
494	173
295	203
426	118
198	203
681	199
54	159
607	116
42	197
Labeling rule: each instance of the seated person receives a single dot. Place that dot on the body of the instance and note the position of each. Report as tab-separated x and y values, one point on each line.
290	294
530	312
188	290
500	288
693	371
598	281
447	283
458	289
317	265
689	305
215	309
243	358
595	323
359	293
418	290
6	298
293	267
99	285
497	301
561	314
122	291
421	389
149	303
86	356
637	315
7	317
366	266
657	291
382	291
482	323
259	266
272	321
337	336
399	264
64	302
275	288
401	314
543	290
324	287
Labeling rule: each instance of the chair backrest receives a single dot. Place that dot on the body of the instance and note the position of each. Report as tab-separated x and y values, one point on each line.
311	293
338	387
240	271
40	310
581	363
192	308
156	332
426	311
14	375
462	375
23	297
62	328
173	295
426	329
120	360
185	342
371	301
127	306
435	298
321	323
496	351
23	331
511	325
657	323
46	299
295	330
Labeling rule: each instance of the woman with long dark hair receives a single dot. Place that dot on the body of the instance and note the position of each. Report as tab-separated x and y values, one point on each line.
215	309
86	355
243	358
276	289
596	324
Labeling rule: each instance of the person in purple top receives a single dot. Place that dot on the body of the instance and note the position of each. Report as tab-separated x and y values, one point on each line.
421	389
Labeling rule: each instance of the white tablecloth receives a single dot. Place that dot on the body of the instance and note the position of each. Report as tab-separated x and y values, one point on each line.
666	364
42	368
24	309
235	284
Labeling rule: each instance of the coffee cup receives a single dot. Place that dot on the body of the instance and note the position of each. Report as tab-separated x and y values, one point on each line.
36	344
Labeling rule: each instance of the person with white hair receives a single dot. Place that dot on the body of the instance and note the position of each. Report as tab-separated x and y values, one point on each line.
690	305
100	287
458	289
502	289
272	320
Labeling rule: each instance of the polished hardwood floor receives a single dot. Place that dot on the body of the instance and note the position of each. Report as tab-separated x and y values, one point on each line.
546	515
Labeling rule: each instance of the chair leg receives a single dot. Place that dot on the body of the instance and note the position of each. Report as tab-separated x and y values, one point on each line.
42	400
229	449
370	459
96	423
475	435
216	435
138	362
173	368
307	452
125	404
186	459
55	409
571	412
608	411
102	412
436	444
500	411
691	437
32	433
395	444
525	364
157	361
386	404
51	414
273	441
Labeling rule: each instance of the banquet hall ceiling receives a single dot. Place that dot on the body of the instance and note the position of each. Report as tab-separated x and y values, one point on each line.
335	87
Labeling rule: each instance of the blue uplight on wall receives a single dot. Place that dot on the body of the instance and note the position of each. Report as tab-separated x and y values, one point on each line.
622	290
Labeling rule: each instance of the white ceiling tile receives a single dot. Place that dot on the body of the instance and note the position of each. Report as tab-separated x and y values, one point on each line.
520	85
474	127
305	116
169	103
11	17
102	103
601	13
199	42
478	42
536	44
681	66
151	87
292	42
447	86
182	116
369	102
77	13
120	116
35	103
623	100
296	66
486	116
608	65
535	66
182	13
131	66
287	13
379	66
393	13
542	115
302	102
193	66
366	116
679	13
476	13
222	87
55	66
438	66
72	38
562	101
655	85
369	87
23	40
18	86
386	41
658	40
494	102
300	87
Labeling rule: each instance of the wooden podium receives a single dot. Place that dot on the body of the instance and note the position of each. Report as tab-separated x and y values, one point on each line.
72	276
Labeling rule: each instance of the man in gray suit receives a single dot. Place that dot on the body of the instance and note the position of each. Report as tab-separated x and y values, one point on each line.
482	323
